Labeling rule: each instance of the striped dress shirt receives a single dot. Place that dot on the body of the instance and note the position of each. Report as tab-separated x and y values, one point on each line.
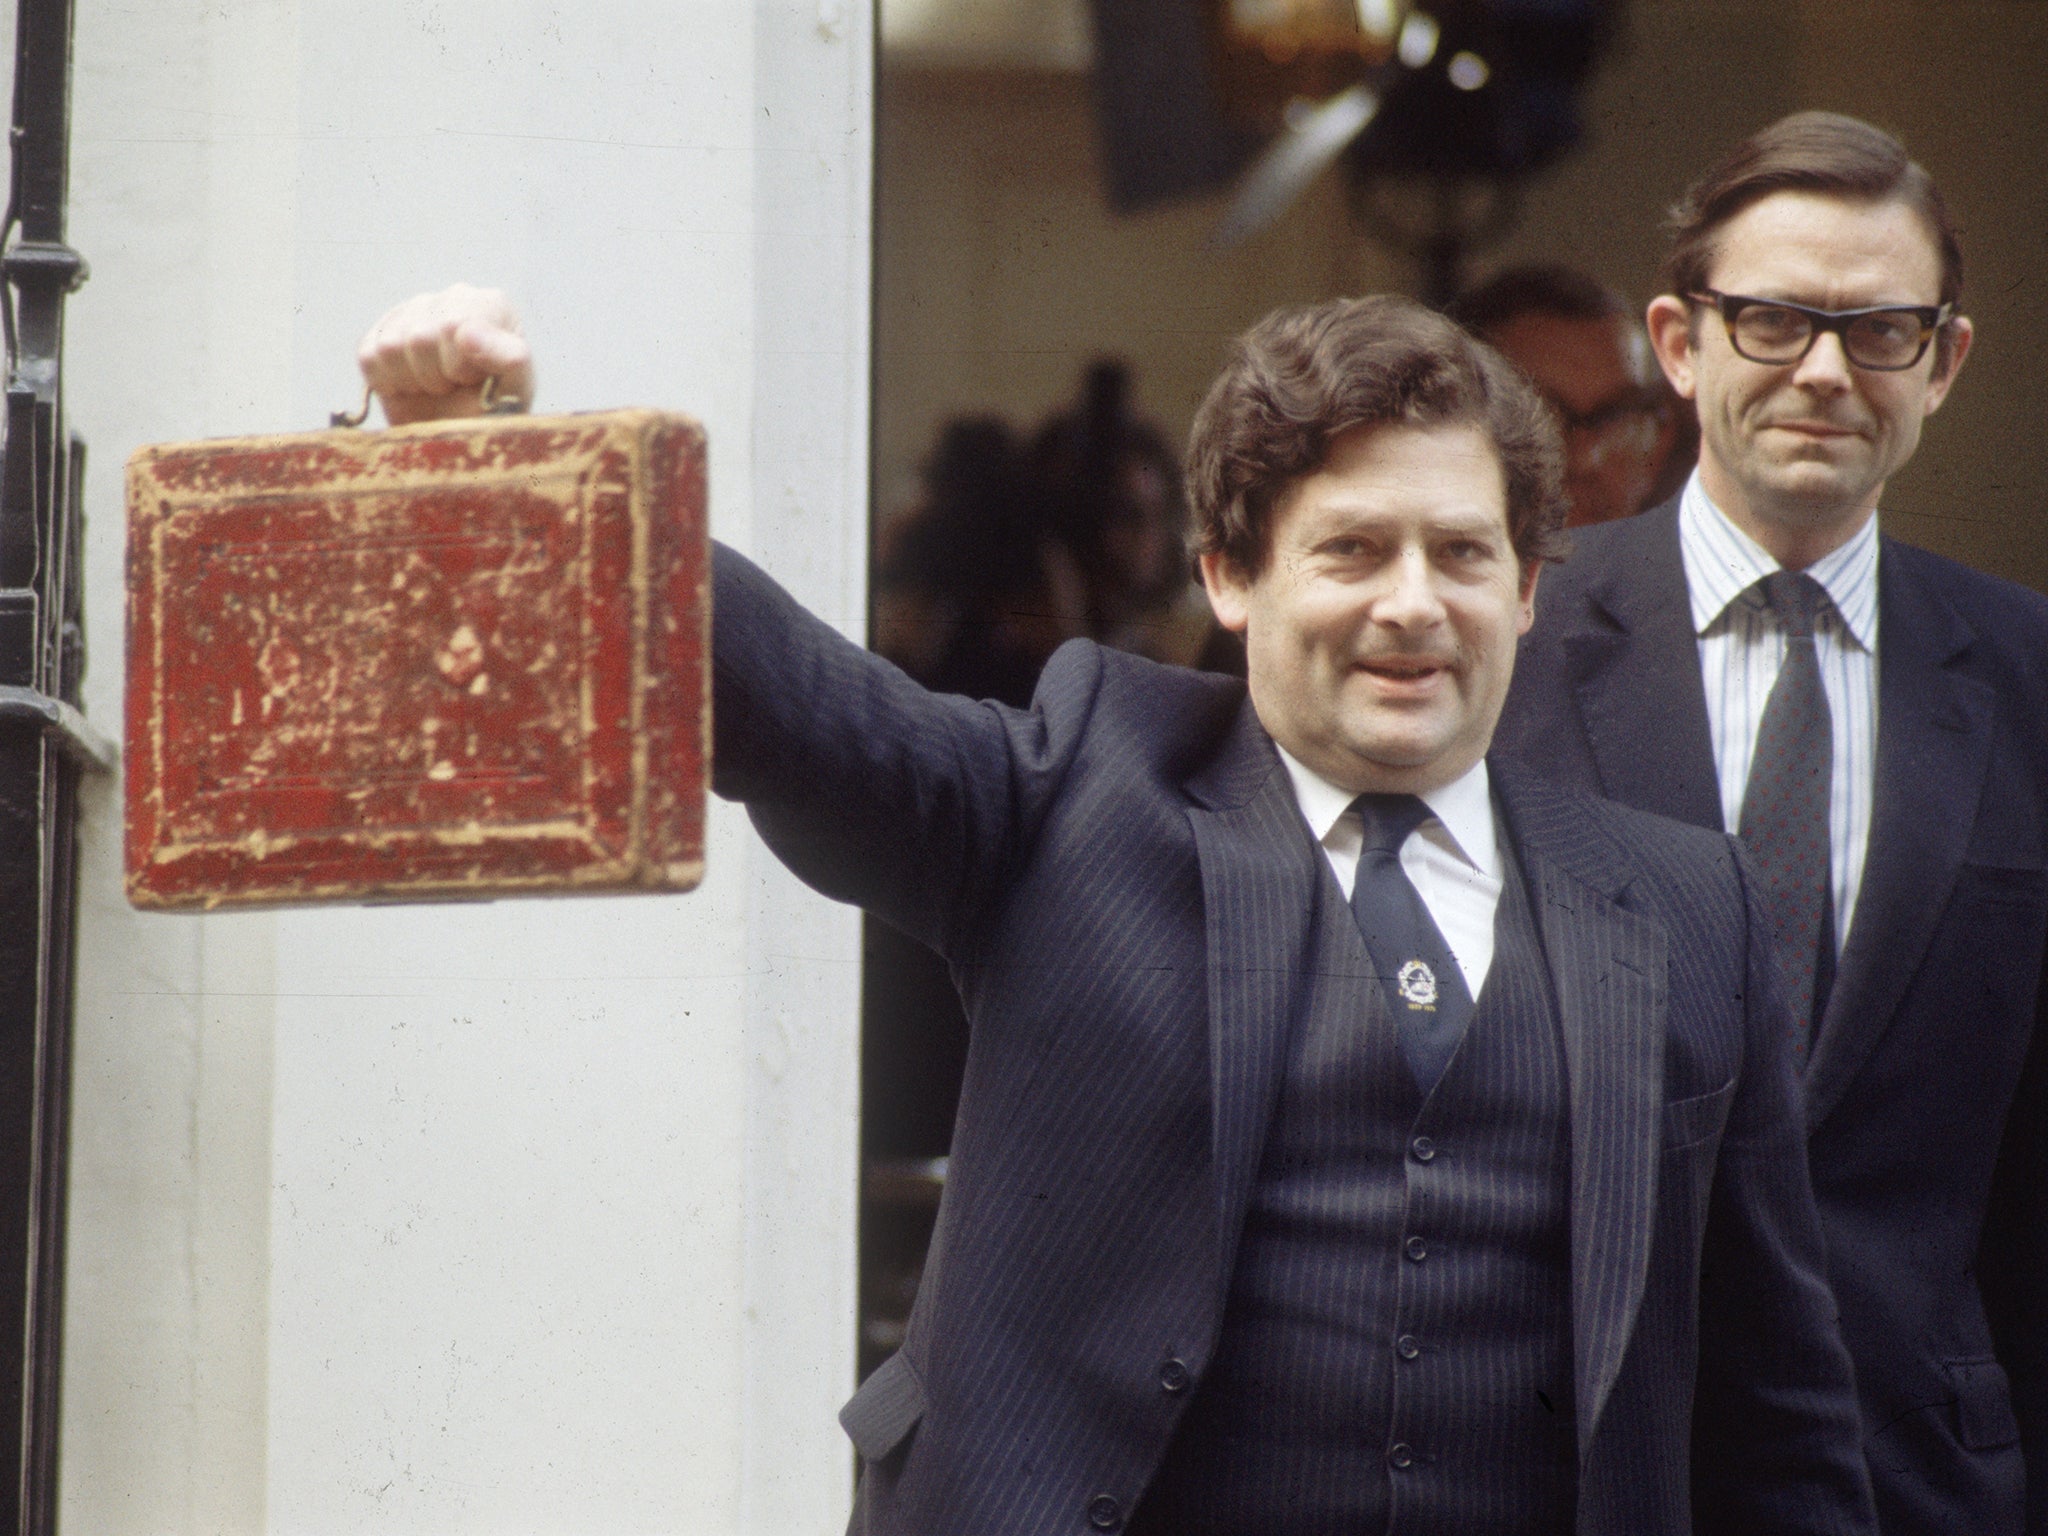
1742	647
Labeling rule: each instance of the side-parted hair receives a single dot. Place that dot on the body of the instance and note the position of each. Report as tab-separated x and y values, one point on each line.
1301	377
1822	152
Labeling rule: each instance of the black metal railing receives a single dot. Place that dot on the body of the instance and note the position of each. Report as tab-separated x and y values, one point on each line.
44	746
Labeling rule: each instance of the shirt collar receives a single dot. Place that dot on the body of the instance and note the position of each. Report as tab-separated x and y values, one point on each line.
1463	810
1722	562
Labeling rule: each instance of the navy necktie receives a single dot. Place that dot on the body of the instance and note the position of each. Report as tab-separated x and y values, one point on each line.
1425	990
1785	807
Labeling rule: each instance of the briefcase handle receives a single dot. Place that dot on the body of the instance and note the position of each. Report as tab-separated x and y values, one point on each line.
488	400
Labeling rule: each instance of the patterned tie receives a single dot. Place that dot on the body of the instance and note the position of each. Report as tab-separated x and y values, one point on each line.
1785	807
1425	990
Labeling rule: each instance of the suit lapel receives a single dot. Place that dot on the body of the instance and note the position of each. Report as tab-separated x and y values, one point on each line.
1610	969
1933	742
1634	669
1258	897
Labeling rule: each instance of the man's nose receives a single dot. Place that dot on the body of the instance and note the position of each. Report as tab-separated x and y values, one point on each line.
1825	366
1410	599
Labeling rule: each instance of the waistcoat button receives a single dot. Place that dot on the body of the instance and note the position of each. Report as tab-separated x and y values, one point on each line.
1402	1456
1407	1346
1104	1513
1173	1376
1418	1250
1422	1148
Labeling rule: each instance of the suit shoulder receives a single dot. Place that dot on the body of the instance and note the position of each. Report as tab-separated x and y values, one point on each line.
1633	826
1561	817
1639	829
1989	602
1997	630
1164	717
1632	551
1598	546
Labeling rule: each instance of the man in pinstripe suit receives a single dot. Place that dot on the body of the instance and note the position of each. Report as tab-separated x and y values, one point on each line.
1218	1253
1811	315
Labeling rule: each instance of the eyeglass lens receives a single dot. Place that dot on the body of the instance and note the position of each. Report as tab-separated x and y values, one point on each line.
1885	338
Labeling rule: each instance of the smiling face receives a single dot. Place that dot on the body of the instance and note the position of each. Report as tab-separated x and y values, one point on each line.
1380	631
1798	454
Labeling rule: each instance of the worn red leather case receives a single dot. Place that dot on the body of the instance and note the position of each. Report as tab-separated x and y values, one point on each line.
463	659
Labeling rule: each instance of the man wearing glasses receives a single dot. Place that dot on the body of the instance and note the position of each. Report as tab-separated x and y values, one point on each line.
1588	356
1873	722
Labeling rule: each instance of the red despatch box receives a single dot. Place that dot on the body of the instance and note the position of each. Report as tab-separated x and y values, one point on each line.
463	659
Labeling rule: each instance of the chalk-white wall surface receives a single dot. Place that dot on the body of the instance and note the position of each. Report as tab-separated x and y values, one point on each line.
531	1216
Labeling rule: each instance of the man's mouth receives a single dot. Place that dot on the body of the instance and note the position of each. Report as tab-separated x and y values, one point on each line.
1404	669
1814	429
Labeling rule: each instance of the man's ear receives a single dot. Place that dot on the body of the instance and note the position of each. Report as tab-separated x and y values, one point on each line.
1960	334
1229	591
1669	321
1527	616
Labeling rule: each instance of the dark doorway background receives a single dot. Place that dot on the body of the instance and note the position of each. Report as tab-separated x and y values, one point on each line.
1000	271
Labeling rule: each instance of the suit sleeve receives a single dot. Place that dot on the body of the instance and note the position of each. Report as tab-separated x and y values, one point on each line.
2012	1264
871	788
1777	1440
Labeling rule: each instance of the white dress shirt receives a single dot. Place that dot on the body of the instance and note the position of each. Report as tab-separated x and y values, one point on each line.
1742	647
1453	859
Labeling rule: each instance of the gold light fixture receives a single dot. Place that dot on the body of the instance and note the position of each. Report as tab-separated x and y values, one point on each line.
1273	54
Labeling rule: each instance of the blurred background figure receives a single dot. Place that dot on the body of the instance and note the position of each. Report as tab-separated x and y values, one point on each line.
972	593
1110	489
973	590
1627	445
1011	548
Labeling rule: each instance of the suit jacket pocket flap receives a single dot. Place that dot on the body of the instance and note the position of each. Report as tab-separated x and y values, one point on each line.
1688	1121
2005	884
1984	1416
884	1410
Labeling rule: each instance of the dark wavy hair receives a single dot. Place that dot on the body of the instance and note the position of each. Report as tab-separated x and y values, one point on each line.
1301	377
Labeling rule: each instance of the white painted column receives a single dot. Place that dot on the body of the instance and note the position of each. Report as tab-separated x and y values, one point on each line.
813	199
532	1216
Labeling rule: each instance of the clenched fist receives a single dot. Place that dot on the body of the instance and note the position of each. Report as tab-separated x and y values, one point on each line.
428	358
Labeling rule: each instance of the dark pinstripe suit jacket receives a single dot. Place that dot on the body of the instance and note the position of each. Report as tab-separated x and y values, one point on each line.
1927	1092
1123	885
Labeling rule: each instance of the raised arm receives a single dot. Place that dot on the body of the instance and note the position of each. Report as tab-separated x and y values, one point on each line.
871	788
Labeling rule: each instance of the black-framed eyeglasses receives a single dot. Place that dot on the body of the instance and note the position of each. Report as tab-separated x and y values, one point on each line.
1884	338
